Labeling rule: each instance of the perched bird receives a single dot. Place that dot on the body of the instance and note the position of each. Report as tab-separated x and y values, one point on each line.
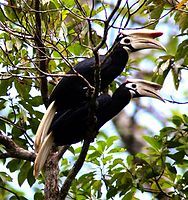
72	126
73	90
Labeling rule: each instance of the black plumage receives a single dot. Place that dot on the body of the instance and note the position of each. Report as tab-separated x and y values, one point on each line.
72	91
72	126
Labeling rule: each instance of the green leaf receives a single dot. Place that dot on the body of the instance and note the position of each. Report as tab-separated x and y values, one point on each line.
178	157
5	177
167	130
23	88
185	177
171	168
23	172
30	178
183	22
68	3
177	120
14	165
117	150
71	149
5	86
130	159
101	146
107	159
118	161
38	196
36	101
153	142
97	184
111	140
56	3
2	103
129	195
112	191
2	17
185	118
76	49
156	13
52	65
182	52
162	71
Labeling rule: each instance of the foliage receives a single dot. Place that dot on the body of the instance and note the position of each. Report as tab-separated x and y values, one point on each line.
39	42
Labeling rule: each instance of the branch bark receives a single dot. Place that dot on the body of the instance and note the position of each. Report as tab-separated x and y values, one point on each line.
42	58
51	176
14	151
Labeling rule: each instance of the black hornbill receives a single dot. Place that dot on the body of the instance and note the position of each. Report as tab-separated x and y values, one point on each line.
73	90
71	126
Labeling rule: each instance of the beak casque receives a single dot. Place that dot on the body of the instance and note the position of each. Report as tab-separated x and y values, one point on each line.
146	88
144	39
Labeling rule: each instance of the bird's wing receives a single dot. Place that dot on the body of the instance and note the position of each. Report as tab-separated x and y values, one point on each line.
44	141
44	126
87	66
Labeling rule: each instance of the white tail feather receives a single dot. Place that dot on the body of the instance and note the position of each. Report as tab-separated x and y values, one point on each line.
44	126
43	154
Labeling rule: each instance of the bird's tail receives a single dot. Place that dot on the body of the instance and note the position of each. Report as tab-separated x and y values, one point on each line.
43	154
44	126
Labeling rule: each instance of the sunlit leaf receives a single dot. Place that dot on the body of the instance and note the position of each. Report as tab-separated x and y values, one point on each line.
153	142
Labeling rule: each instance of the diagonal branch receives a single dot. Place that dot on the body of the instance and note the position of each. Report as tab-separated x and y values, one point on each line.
13	150
74	171
79	163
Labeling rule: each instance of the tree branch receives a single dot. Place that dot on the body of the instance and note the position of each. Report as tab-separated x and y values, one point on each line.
74	171
42	63
12	192
13	150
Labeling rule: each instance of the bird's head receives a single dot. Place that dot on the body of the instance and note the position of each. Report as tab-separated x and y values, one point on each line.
142	88
135	40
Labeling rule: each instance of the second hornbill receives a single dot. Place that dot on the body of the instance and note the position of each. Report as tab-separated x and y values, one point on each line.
72	126
73	90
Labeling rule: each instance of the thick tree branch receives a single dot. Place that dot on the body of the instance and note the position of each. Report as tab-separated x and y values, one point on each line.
14	151
42	63
51	170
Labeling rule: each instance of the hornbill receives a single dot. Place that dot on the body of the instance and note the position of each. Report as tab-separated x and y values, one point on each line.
73	90
72	126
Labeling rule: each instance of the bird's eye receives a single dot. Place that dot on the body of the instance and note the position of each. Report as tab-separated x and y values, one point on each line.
133	85
126	40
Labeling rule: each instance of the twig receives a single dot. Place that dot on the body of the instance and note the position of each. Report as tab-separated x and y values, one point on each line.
175	102
106	24
8	121
149	24
12	192
62	151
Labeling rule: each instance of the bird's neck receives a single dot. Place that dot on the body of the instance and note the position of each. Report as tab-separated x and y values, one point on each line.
119	100
113	65
119	55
